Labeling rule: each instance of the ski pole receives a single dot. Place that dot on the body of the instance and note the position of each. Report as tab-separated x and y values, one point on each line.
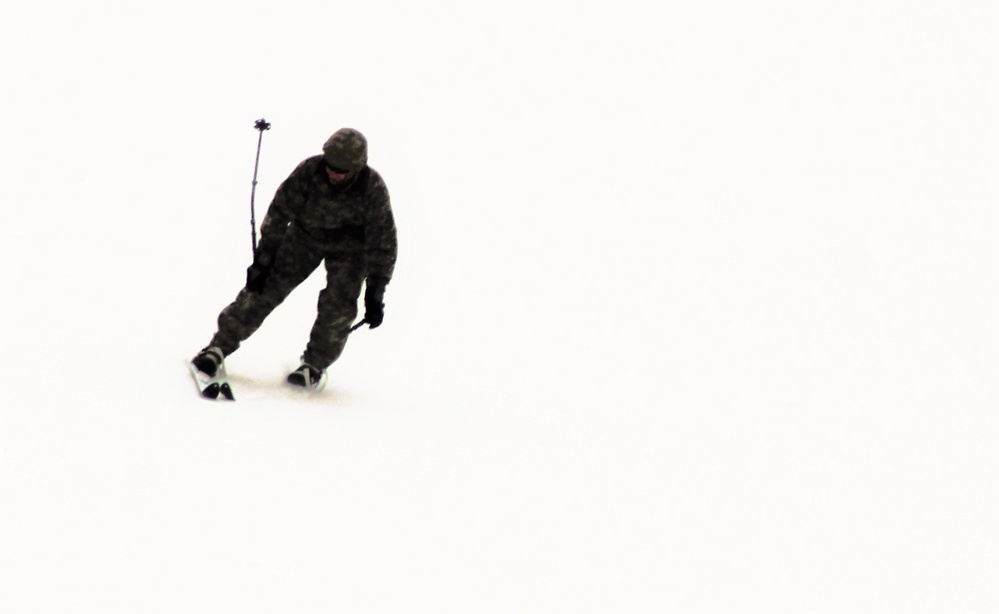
357	326
261	125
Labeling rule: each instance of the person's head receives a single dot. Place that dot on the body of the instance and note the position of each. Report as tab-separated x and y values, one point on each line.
345	154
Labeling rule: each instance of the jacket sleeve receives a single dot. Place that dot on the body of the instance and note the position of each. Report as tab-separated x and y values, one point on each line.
289	197
380	245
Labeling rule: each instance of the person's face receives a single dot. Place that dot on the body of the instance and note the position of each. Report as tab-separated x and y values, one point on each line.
336	175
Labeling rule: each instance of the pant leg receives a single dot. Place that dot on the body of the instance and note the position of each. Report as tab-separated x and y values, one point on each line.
293	264
337	311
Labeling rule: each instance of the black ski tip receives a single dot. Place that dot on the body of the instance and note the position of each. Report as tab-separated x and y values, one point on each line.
211	391
226	391
297	379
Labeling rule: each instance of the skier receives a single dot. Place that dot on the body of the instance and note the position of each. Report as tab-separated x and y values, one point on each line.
333	208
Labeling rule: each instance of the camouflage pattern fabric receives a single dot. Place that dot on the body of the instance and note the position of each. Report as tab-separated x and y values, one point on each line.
311	220
355	218
295	260
346	149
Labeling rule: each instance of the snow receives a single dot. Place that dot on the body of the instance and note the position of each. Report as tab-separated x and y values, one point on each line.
695	309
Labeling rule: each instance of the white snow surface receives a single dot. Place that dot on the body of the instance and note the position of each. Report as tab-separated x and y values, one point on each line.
695	309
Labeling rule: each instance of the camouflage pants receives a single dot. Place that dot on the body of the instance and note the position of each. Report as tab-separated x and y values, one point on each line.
293	264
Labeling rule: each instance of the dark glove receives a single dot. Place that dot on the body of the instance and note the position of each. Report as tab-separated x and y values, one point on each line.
258	272
256	277
374	308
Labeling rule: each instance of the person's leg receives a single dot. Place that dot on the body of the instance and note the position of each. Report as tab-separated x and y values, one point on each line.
337	311
293	263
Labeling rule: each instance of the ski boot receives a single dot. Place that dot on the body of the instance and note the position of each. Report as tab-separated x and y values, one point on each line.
208	360
307	376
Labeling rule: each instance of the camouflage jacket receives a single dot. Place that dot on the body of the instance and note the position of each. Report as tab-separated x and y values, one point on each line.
351	220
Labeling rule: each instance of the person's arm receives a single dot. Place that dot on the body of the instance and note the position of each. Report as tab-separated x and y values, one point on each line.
381	249
289	195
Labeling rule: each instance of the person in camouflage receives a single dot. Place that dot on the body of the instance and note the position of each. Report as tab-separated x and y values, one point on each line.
333	208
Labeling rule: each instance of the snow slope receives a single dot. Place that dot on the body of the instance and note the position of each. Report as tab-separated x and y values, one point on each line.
694	310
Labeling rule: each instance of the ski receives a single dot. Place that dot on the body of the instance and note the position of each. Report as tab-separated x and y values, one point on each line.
213	387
